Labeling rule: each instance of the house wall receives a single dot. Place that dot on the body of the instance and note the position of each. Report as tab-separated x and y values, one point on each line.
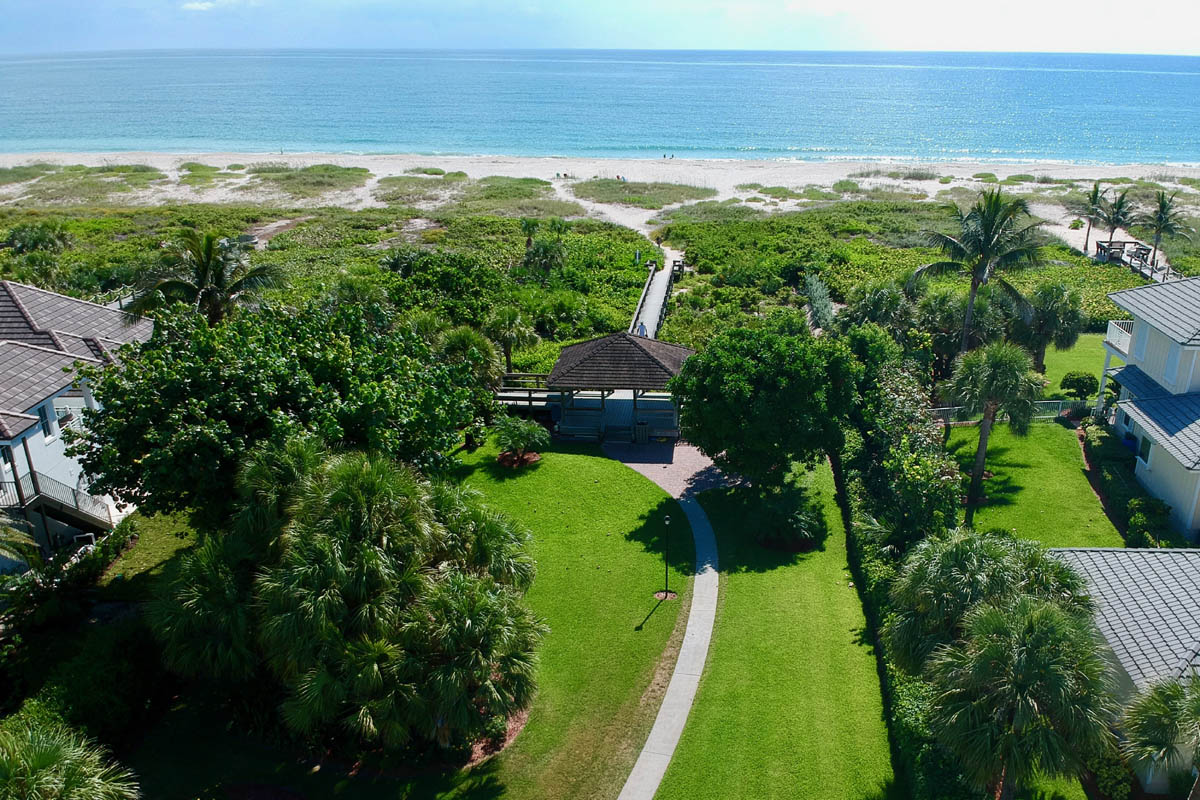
48	452
1153	360
1171	482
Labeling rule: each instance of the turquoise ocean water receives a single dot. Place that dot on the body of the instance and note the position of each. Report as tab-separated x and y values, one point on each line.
765	105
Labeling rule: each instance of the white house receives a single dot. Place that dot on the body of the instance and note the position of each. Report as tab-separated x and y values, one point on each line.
1159	406
43	338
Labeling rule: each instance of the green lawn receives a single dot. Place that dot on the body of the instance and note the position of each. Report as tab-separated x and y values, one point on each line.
1038	488
1086	356
789	704
160	538
597	537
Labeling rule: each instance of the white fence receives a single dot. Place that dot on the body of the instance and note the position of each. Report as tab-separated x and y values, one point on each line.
1043	409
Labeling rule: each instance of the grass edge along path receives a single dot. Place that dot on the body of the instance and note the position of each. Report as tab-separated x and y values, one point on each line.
597	536
790	703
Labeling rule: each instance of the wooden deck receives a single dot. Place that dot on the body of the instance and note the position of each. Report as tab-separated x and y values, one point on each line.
1136	256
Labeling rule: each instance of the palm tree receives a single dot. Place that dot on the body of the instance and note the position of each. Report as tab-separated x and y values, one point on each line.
558	227
1165	218
1091	211
211	274
992	236
943	577
507	327
529	227
465	345
1026	693
996	379
1117	213
1057	318
48	761
1162	727
546	256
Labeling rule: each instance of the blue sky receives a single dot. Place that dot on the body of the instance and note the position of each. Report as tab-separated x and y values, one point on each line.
1164	26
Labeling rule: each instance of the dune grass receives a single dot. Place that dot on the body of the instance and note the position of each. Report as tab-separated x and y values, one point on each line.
197	175
311	181
789	704
639	194
25	172
496	195
425	171
79	183
597	529
1039	489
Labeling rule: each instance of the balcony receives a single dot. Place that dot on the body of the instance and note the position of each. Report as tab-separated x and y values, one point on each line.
1120	331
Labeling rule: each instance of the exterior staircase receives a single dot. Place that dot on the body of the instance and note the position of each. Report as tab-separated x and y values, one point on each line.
37	491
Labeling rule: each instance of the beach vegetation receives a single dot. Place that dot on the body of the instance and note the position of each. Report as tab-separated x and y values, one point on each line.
235	167
986	177
47	760
25	172
81	184
1165	218
846	186
425	171
652	195
310	181
711	211
47	236
908	174
200	175
456	176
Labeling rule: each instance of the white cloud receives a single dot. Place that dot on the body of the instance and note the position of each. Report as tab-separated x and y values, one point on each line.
204	6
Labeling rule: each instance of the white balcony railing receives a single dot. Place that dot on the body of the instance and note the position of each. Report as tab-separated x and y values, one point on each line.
1120	331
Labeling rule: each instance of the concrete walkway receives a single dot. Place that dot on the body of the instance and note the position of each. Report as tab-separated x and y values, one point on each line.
682	471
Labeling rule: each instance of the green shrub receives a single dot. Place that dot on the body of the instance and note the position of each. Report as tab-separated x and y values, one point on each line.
1076	224
235	167
640	194
42	760
845	186
1080	385
520	437
425	171
1112	776
946	179
790	520
32	237
986	177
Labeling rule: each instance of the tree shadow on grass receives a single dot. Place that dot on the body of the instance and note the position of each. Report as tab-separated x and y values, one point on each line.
496	471
891	790
651	532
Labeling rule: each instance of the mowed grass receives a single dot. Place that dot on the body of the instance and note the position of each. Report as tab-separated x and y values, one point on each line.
640	194
1086	356
597	533
789	704
160	539
1038	489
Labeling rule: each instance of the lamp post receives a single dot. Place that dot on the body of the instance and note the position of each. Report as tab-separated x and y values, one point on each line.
667	557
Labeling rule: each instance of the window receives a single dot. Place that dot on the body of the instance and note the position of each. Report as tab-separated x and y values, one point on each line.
1144	451
44	421
6	458
1171	371
1140	334
1125	420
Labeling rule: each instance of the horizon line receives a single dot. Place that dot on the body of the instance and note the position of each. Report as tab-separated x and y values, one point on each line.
313	48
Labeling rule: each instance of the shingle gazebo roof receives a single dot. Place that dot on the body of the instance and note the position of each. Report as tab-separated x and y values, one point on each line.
618	361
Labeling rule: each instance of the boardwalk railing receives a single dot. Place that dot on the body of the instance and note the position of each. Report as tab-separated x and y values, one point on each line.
524	388
637	312
1043	409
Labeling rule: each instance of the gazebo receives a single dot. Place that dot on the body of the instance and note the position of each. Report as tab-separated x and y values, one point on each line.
616	387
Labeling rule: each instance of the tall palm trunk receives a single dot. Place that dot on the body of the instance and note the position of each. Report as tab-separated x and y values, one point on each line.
507	358
1002	790
970	315
1086	236
985	431
1194	794
1154	255
1039	358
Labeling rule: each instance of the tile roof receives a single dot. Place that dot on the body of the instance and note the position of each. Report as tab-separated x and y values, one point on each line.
47	319
1173	422
1172	307
1147	606
1137	382
29	374
618	361
13	425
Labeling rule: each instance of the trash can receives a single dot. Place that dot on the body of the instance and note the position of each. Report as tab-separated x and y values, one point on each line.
641	433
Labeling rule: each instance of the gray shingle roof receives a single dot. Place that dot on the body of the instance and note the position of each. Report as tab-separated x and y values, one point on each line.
29	374
1173	422
1147	606
13	425
1137	382
36	316
1172	307
618	361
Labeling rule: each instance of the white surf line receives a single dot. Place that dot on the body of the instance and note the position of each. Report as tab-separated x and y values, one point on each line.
651	765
